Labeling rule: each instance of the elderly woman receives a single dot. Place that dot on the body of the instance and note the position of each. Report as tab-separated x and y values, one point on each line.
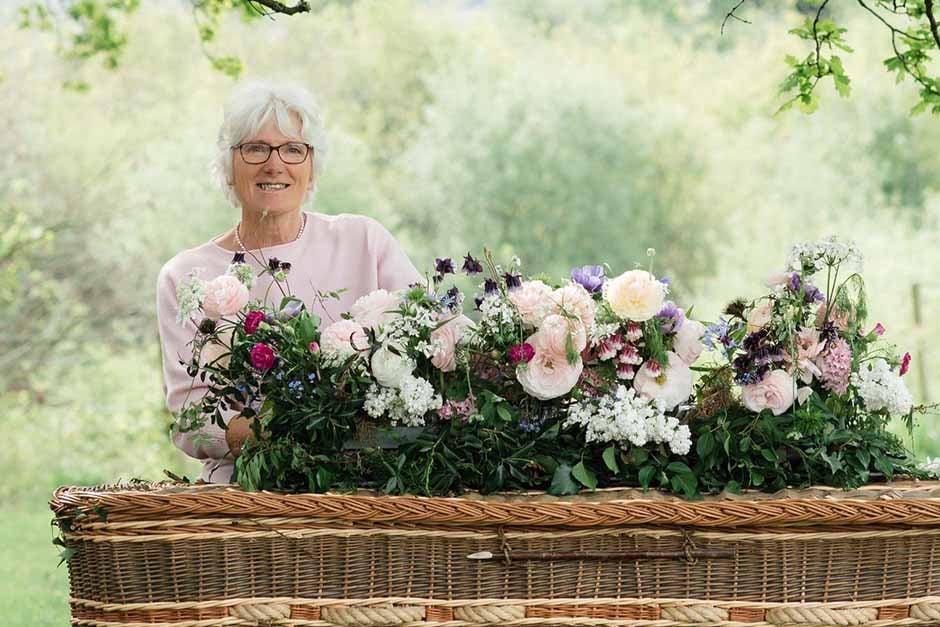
271	154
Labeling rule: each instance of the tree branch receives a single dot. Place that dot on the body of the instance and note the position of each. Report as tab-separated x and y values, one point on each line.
816	38
274	6
731	15
928	9
894	31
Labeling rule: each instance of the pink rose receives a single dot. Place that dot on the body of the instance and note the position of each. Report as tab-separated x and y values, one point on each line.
449	335
252	320
376	308
554	333
672	384
687	342
774	392
223	296
547	376
262	356
577	301
759	316
533	301
343	338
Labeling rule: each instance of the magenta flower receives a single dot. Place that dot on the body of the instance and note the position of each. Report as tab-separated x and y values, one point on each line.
252	320
905	363
521	353
314	347
879	330
262	356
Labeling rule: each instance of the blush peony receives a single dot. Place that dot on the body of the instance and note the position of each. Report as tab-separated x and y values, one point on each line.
672	384
776	392
223	296
376	308
533	301
547	375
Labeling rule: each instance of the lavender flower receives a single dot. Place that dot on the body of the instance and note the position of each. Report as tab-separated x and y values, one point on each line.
471	266
794	282
590	278
811	294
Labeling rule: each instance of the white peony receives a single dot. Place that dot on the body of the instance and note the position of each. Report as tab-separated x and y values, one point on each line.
390	369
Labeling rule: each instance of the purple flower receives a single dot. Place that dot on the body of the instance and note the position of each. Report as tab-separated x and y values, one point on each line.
238	258
513	281
665	281
590	278
811	294
879	329
670	317
449	299
444	266
490	287
471	266
794	282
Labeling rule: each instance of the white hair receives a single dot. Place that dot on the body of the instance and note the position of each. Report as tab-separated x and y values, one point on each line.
249	107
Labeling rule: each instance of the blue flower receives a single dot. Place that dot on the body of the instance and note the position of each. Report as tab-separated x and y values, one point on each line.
590	278
296	388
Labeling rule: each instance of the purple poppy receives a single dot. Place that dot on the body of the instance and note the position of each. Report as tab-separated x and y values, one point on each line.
590	278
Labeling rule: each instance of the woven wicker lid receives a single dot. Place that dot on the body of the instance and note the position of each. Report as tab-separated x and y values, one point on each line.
899	503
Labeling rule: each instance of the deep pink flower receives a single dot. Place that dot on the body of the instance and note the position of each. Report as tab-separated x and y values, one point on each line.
879	330
252	320
521	353
262	356
905	363
314	347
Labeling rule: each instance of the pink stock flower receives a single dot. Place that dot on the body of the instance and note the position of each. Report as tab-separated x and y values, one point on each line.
262	356
252	320
835	365
905	364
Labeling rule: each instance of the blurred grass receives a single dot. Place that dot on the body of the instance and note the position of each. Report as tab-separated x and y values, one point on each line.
33	590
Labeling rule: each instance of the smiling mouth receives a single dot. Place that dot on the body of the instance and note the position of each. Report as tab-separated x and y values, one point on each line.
272	187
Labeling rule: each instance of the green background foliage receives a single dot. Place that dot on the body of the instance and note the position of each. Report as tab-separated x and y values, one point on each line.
567	133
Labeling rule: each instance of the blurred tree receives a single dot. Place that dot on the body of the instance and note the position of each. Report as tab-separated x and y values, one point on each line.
93	29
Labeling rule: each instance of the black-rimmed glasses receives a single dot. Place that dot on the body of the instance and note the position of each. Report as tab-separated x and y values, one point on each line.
257	153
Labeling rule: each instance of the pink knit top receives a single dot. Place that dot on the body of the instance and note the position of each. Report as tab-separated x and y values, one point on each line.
342	251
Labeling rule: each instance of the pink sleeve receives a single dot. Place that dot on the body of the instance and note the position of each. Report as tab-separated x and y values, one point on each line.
394	268
174	341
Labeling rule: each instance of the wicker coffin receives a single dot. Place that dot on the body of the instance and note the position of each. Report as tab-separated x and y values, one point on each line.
189	556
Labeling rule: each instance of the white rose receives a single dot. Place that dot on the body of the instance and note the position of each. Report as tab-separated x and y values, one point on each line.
390	369
635	295
533	300
376	308
672	384
687	342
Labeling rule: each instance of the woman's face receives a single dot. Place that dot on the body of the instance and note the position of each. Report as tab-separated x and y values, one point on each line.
249	179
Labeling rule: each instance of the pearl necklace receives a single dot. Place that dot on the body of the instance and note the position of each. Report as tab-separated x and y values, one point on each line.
241	246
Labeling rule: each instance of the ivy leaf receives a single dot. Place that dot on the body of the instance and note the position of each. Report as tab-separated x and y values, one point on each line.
610	458
562	483
585	475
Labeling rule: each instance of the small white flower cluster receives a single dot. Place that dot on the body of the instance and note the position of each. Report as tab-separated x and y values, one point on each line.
406	405
626	417
882	388
600	332
189	294
931	465
413	324
496	313
827	252
242	272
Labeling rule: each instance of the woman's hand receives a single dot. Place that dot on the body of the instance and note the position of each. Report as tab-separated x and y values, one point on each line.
239	428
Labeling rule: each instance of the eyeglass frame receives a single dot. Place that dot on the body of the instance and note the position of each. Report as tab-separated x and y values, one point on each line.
271	149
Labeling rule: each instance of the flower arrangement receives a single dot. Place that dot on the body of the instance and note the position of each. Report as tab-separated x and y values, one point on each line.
817	388
556	385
